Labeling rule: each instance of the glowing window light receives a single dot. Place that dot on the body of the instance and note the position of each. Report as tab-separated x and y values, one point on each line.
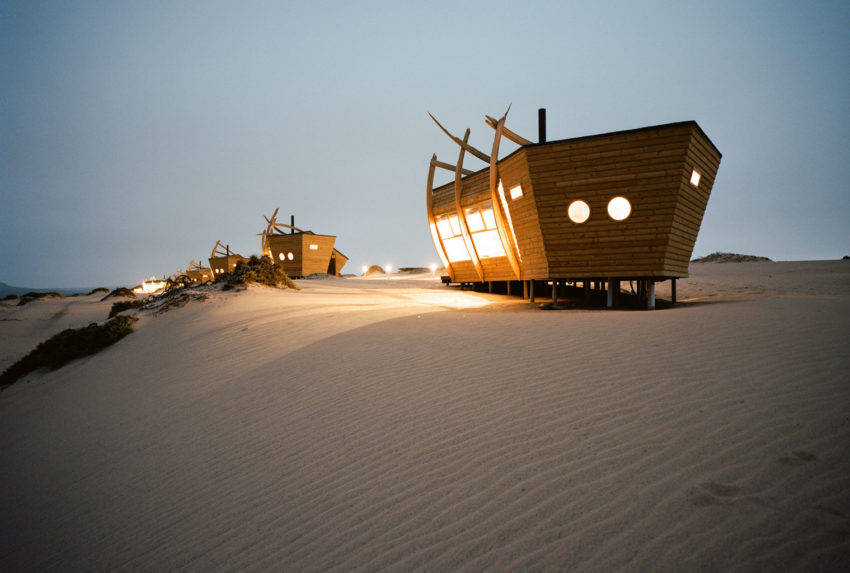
314	247
695	178
578	211
516	192
489	217
282	257
455	224
488	244
474	220
456	250
444	227
619	208
507	209
290	256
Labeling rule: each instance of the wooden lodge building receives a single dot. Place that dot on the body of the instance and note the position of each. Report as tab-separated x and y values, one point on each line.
301	253
222	261
199	274
600	209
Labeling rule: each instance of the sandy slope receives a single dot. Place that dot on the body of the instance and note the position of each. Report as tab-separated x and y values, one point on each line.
401	425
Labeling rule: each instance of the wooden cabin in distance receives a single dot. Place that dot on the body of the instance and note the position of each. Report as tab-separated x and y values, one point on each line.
618	206
222	261
199	274
301	253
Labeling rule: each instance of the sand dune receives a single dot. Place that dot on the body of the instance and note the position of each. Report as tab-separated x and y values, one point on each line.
362	425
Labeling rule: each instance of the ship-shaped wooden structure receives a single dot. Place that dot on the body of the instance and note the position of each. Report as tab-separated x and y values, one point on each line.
300	253
198	273
222	260
598	209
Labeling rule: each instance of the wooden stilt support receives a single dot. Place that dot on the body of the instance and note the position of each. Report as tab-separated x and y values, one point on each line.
524	290
531	291
554	292
610	302
673	290
650	299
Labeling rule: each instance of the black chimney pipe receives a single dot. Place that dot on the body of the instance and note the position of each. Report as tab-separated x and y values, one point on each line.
541	124
292	224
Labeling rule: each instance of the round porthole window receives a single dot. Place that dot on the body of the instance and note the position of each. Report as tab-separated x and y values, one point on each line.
578	211
289	256
281	256
619	208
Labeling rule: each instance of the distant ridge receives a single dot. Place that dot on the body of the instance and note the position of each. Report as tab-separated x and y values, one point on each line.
6	290
731	258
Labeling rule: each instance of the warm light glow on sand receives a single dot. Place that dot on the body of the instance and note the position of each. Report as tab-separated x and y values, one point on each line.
450	298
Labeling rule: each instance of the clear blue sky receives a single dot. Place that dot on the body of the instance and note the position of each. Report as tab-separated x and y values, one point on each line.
133	135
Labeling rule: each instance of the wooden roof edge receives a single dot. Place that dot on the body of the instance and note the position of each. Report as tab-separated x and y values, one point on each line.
671	125
690	122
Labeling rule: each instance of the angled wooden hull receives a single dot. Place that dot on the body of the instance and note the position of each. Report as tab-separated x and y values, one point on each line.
650	167
304	253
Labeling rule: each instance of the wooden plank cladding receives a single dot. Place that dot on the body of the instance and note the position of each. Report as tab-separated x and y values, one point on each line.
303	254
554	204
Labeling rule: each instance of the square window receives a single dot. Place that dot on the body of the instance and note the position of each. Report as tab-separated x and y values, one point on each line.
695	178
516	192
314	247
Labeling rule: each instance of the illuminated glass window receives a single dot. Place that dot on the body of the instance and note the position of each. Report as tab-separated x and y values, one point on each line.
695	178
488	244
314	247
516	192
282	257
474	220
619	208
455	225
444	228
290	256
578	211
456	249
489	216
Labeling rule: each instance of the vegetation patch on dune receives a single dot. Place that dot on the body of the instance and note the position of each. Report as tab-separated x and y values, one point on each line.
122	305
31	296
730	258
69	345
261	271
121	291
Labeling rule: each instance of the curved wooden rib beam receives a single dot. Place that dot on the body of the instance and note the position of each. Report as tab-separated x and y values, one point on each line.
467	236
518	139
432	224
450	167
288	227
213	253
497	208
480	155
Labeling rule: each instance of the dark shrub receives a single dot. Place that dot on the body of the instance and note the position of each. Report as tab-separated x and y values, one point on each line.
69	345
31	296
259	270
120	291
123	305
